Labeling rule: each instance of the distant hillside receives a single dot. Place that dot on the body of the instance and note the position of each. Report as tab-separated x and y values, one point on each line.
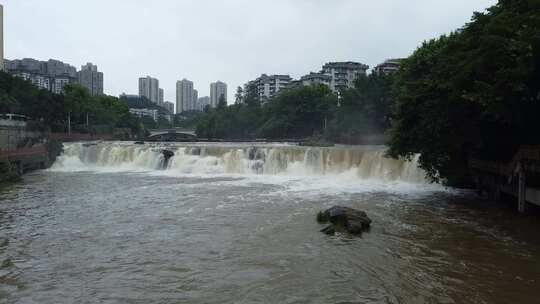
141	102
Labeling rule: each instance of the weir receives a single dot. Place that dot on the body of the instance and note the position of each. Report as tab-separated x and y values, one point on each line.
361	162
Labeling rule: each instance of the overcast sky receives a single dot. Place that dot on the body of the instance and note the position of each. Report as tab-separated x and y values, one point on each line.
229	40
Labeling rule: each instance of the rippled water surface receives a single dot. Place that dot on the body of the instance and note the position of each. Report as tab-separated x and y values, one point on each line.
148	236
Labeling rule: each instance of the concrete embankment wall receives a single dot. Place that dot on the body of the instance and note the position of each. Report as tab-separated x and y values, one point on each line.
65	137
365	139
23	150
14	137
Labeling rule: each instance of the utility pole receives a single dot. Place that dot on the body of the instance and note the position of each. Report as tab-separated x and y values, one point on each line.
69	123
522	189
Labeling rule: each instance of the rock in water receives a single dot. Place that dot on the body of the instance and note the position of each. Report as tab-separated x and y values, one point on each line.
167	155
344	219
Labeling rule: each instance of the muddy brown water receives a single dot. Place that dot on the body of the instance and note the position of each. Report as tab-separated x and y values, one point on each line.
91	234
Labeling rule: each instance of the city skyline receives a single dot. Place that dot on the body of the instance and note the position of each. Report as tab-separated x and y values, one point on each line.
242	41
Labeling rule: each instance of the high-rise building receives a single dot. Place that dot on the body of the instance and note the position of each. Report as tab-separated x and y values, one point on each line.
344	74
149	88
1	38
169	106
202	102
316	79
184	95
268	87
194	100
30	70
57	68
161	96
388	67
217	90
90	78
52	75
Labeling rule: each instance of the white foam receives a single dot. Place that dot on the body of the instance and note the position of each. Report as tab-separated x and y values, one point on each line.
314	170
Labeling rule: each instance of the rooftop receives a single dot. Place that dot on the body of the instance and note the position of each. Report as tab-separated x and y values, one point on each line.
347	65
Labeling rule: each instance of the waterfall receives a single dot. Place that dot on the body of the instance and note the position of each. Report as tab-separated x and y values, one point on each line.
362	162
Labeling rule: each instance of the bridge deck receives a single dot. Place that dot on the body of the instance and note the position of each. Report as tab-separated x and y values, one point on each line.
172	131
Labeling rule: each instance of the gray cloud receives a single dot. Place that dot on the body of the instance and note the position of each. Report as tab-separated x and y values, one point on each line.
230	40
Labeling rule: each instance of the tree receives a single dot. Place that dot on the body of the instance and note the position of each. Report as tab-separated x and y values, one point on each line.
52	110
472	93
239	97
298	112
222	103
251	96
77	102
364	109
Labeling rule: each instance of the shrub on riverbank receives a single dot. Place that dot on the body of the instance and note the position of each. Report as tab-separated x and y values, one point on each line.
8	174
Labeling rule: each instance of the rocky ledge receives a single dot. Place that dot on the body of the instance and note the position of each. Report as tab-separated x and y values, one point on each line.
344	219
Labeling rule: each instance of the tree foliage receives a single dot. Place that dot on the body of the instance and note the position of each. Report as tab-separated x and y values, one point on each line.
295	113
21	97
364	109
473	93
298	112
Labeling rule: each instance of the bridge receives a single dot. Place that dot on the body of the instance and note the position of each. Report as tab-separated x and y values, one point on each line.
176	134
190	132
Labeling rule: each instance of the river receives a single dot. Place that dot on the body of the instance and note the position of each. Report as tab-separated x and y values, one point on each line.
235	223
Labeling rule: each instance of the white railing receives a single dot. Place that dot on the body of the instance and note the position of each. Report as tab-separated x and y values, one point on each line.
13	120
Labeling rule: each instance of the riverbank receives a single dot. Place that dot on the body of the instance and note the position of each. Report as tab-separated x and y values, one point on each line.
8	175
17	162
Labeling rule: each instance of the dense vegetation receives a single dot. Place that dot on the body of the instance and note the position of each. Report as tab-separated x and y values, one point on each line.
141	102
302	112
188	119
95	114
473	93
363	110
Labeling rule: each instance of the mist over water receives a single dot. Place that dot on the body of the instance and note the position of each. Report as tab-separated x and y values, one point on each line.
235	223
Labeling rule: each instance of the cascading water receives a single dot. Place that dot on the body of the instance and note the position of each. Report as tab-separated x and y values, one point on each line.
366	162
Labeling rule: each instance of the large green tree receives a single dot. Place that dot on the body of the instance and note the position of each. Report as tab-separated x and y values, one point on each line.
298	112
363	110
473	93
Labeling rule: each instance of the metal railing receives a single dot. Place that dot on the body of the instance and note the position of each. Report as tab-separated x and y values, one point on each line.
524	156
16	117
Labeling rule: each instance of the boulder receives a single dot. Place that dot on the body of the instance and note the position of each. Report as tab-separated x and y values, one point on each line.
344	219
167	154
